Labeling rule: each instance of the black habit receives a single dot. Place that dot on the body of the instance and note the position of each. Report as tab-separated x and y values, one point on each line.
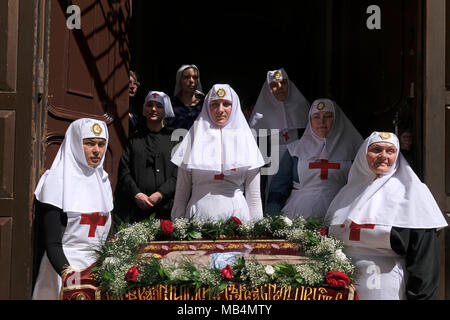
145	167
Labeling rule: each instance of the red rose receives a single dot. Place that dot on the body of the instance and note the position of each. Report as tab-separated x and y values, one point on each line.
132	274
227	272
236	222
337	279
166	226
323	231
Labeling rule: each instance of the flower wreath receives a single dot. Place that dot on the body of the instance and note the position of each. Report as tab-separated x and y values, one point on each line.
120	269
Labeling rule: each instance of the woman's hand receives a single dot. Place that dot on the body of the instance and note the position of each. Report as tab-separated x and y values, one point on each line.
70	276
155	197
142	201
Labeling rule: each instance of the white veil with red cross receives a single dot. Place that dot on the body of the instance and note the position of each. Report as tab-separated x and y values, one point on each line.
71	184
162	98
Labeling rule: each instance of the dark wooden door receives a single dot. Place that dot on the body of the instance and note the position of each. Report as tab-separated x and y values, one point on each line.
19	91
377	73
88	73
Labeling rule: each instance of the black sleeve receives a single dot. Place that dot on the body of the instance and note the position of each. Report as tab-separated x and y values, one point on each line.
53	219
167	189
125	179
280	185
420	250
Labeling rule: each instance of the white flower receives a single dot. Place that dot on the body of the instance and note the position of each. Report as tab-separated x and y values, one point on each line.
339	255
269	270
111	261
287	221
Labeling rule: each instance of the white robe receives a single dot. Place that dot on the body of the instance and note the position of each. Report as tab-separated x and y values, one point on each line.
311	196
200	195
380	272
80	239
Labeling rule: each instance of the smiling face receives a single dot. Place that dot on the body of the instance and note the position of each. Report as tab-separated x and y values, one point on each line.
322	123
380	157
280	89
154	111
220	111
94	149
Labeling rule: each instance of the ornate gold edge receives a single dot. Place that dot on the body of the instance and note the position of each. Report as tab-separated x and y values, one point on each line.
217	241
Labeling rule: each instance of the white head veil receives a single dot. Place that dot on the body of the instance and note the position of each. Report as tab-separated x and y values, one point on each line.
162	98
178	78
219	149
397	199
71	184
270	113
341	143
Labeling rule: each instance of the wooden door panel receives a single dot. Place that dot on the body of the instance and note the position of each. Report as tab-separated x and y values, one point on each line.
18	105
88	74
77	86
7	132
5	256
8	52
9	24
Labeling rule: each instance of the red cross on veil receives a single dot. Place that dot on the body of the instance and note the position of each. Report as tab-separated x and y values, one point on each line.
324	165
93	220
355	230
155	95
286	136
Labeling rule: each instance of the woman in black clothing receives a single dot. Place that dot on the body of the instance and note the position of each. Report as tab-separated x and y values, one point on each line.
147	178
188	97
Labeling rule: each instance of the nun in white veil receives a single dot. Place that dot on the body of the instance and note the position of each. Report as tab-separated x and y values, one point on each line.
75	200
388	221
280	114
218	162
281	106
315	168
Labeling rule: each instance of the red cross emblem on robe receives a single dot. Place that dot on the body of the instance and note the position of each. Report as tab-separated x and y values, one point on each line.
324	165
93	220
221	176
355	230
286	136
